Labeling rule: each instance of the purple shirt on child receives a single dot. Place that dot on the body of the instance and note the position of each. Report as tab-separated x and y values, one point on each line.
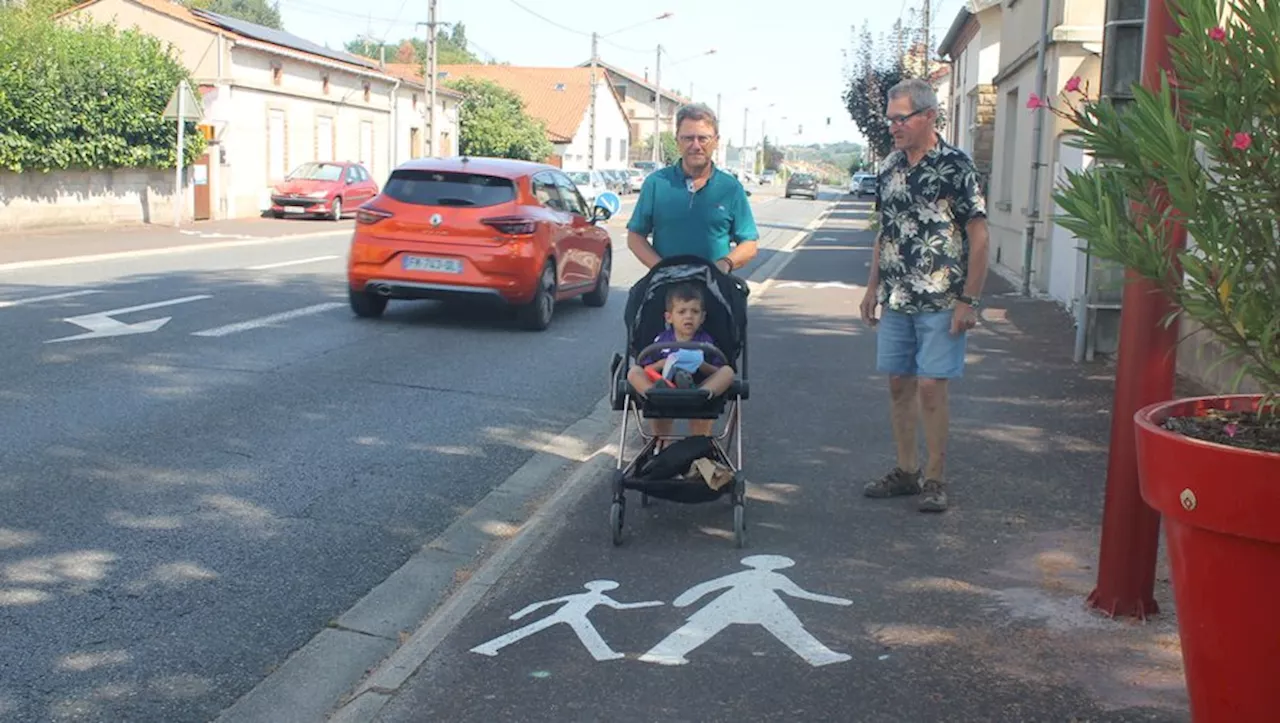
669	334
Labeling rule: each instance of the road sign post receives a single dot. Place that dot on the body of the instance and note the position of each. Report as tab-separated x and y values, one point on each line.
183	106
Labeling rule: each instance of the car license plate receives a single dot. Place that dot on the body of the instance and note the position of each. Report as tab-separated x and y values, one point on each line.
430	263
294	209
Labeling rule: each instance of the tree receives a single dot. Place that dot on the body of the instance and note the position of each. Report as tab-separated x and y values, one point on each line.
86	96
877	68
254	11
492	122
451	49
773	156
406	53
670	149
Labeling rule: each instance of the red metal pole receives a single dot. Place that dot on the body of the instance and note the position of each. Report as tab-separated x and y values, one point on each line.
1145	367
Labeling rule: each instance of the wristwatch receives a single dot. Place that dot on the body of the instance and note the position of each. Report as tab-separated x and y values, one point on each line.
974	301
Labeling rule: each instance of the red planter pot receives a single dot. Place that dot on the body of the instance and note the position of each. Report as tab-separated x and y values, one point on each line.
1221	514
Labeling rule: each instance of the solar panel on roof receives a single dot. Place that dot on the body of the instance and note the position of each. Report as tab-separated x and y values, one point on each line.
279	37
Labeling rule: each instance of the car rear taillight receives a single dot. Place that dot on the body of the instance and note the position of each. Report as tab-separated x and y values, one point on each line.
370	216
512	225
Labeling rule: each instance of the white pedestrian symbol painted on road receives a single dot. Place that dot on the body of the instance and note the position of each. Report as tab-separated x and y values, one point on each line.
574	614
751	598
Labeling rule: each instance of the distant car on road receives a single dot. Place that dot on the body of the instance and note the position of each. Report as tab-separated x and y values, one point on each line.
481	229
323	188
802	184
863	184
590	183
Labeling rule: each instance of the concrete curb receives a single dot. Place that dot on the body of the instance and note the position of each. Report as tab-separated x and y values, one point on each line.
352	668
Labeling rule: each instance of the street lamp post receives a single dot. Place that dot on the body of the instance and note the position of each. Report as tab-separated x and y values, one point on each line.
595	61
657	104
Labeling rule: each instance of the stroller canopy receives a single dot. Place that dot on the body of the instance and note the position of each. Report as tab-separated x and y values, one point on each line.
725	298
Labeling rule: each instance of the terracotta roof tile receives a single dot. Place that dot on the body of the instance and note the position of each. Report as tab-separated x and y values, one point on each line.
182	14
559	97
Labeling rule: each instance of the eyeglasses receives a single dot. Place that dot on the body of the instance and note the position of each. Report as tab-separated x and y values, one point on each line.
900	119
702	140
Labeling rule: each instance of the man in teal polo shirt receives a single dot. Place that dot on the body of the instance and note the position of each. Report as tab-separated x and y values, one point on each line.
692	207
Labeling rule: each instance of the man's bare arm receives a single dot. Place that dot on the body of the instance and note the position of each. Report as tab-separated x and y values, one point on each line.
742	253
640	246
979	250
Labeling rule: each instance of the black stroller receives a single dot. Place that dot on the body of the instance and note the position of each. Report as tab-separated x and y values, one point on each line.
655	475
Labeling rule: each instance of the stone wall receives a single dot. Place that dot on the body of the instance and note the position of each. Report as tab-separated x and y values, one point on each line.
1200	358
35	199
984	132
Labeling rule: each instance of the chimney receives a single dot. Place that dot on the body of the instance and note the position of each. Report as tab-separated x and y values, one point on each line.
646	74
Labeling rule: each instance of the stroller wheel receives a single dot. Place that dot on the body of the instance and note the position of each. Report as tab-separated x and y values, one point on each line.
615	522
739	525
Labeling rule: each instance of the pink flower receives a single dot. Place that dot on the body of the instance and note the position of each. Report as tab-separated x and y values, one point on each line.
1218	34
1073	85
1241	141
1036	101
1231	429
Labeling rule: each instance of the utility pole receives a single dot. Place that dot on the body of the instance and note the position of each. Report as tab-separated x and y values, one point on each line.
591	134
432	48
719	119
925	59
657	110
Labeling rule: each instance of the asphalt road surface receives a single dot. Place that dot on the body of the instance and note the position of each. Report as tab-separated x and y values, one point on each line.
184	505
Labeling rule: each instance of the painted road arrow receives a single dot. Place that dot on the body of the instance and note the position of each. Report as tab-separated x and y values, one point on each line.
101	325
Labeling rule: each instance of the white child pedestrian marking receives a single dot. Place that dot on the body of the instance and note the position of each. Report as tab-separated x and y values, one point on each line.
574	614
751	598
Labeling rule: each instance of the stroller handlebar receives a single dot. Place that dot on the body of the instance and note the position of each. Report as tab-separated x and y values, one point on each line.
703	346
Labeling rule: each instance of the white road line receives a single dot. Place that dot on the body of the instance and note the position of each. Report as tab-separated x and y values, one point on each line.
143	253
282	264
269	320
49	297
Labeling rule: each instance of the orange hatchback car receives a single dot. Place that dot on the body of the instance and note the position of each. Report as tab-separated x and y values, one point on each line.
483	229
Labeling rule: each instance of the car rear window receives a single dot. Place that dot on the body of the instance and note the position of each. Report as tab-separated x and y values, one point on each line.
442	188
803	177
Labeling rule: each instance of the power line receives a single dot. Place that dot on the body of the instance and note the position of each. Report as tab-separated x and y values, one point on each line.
546	19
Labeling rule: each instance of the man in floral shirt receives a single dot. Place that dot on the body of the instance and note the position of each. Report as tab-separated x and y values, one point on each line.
927	273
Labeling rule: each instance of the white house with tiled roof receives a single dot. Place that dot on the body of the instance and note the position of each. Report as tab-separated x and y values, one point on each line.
639	98
273	101
561	99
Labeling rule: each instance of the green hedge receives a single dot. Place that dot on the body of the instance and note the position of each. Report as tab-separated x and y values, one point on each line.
86	97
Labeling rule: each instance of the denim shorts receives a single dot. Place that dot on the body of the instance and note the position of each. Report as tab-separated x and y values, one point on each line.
919	345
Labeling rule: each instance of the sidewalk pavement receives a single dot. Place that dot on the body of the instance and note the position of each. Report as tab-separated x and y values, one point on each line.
973	615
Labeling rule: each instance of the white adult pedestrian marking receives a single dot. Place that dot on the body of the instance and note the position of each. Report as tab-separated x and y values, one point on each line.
298	262
574	614
47	297
101	324
269	320
751	598
815	285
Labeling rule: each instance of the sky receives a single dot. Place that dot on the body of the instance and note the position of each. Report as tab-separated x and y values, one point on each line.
792	51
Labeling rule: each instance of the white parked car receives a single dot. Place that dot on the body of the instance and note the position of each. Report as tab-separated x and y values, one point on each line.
590	184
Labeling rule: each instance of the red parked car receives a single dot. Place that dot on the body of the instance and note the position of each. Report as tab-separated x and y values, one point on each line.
479	229
323	188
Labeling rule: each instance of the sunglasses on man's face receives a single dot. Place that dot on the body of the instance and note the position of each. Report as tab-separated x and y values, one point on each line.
702	140
900	119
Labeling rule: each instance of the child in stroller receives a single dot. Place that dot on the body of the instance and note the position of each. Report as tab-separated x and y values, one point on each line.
684	304
683	368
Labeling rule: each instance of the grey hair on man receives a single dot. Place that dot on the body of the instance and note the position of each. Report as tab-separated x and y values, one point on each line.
920	93
697	112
